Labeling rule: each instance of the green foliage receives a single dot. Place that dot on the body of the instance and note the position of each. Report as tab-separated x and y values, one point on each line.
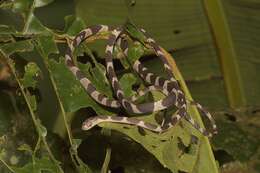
33	53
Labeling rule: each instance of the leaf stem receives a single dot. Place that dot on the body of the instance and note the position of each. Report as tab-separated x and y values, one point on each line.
226	51
10	63
106	161
63	112
2	160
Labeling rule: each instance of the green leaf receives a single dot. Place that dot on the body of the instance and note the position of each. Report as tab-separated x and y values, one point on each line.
227	54
32	101
97	75
39	165
76	143
5	29
42	130
134	32
127	81
41	3
47	45
22	5
6	113
32	72
184	28
20	46
73	95
25	147
165	147
34	26
135	52
73	25
235	141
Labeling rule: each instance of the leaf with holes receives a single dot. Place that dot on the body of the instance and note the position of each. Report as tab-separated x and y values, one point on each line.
32	72
20	46
72	93
175	149
38	166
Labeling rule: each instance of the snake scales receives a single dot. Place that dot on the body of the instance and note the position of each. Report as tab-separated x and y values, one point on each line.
170	88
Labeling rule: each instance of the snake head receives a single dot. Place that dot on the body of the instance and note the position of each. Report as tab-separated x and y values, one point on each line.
89	123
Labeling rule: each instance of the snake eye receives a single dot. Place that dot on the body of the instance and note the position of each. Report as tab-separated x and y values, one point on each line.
86	125
89	124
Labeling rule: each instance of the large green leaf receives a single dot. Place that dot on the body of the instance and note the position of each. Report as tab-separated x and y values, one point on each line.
184	26
216	49
168	147
72	92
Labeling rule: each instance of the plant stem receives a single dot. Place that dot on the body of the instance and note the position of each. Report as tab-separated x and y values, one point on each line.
226	51
2	160
106	161
9	62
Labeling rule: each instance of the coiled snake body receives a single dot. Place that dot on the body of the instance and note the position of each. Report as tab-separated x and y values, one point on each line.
170	88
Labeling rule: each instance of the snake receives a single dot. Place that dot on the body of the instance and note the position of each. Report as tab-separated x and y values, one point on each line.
131	107
159	81
172	90
156	80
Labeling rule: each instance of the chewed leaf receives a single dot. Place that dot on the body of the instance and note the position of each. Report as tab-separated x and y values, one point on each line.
234	140
41	3
73	25
20	46
4	29
25	147
32	72
22	6
72	93
32	101
135	51
174	148
76	143
134	32
97	77
42	129
47	45
127	81
39	165
35	26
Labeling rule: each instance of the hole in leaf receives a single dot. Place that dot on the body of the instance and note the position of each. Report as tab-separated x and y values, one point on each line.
163	140
154	146
194	139
119	169
159	118
230	117
133	2
141	131
223	157
182	147
182	171
87	111
135	87
85	59
255	111
176	31
118	66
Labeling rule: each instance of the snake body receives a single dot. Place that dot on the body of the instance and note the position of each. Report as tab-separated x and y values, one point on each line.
168	86
174	95
99	97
